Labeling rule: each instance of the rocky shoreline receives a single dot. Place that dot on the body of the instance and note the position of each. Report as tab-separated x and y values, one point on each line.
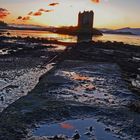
71	89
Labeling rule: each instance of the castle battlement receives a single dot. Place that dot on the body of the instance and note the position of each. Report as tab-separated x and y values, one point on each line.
85	20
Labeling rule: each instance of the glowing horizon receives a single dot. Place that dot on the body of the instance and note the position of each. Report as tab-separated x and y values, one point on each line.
108	13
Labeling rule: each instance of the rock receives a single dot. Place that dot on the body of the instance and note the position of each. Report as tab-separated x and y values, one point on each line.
91	128
8	33
76	136
87	133
136	83
107	129
119	124
2	99
55	137
135	106
75	96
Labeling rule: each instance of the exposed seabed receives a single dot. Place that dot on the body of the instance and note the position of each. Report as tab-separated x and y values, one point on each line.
88	92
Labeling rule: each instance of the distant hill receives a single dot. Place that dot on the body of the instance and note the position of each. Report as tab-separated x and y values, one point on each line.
75	31
68	30
127	31
27	26
135	31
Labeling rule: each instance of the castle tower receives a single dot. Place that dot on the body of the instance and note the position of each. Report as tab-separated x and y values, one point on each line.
85	20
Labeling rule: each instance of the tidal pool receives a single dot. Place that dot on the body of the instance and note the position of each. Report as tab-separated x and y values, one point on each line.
80	126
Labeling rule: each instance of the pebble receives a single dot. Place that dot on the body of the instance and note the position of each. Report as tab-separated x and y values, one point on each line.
107	129
76	136
87	133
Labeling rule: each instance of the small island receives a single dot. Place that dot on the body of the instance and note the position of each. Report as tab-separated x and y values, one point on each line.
84	27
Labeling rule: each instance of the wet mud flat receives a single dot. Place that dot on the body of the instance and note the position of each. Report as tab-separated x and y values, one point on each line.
85	93
22	62
68	95
127	57
98	85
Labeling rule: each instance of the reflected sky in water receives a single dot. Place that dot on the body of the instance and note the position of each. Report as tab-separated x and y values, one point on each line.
129	39
81	125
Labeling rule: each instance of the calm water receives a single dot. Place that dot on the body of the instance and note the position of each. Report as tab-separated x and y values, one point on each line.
68	128
129	39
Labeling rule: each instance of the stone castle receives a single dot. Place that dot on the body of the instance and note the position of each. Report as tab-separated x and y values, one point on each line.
85	20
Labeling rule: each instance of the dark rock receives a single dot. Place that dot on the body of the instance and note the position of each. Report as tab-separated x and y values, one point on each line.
76	136
107	129
87	133
91	128
135	106
55	137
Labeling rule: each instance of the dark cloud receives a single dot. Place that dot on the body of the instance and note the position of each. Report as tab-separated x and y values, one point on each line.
41	10
20	17
3	13
30	13
26	18
48	11
53	4
44	10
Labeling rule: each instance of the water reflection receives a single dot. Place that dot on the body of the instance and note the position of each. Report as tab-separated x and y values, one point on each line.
65	125
129	39
42	34
79	126
81	38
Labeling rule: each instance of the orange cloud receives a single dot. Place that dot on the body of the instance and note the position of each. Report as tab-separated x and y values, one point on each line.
3	13
95	1
38	13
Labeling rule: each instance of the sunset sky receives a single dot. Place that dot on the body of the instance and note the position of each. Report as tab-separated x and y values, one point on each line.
108	13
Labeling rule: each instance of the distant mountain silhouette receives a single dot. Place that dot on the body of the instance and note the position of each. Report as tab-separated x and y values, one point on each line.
25	26
75	31
127	30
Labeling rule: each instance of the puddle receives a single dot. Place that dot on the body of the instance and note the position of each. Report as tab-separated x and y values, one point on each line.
87	128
